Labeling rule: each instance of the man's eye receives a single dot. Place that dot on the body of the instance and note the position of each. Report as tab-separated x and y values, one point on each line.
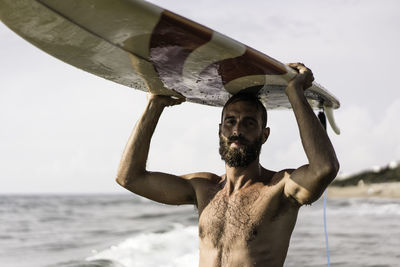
230	122
251	123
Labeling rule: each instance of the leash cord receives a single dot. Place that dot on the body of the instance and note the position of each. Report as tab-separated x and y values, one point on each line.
326	231
322	119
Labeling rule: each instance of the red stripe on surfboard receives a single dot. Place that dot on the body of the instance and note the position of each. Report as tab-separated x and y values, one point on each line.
172	41
174	38
250	63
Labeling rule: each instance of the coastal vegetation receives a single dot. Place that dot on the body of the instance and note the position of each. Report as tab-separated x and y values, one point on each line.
387	174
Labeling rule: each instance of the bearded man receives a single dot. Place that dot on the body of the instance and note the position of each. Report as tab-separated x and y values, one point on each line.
247	215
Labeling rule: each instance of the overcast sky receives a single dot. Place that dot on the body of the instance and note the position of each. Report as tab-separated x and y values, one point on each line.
63	130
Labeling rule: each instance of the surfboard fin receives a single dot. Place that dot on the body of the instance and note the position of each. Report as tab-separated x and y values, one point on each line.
331	119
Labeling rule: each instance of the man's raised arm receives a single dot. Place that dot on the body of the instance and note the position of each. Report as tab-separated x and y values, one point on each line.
307	183
132	173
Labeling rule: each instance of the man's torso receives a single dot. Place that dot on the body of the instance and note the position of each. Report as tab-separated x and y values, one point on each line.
247	227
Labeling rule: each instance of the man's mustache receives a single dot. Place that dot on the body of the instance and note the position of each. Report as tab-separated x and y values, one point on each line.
239	138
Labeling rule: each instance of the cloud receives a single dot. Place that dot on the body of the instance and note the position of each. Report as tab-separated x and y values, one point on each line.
64	129
365	141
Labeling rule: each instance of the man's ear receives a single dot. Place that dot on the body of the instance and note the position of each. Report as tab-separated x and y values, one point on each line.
265	134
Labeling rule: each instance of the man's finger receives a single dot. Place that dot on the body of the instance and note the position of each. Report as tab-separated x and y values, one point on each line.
178	99
173	100
299	67
295	65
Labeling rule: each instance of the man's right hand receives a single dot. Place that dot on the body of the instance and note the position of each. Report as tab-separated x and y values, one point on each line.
164	101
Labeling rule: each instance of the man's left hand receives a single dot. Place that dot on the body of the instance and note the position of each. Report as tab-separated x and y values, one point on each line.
303	79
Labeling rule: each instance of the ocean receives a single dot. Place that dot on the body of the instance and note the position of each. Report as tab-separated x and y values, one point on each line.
126	230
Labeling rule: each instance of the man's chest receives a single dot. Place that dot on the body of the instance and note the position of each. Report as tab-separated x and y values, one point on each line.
227	219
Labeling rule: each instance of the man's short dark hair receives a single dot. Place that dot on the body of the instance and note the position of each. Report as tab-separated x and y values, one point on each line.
250	98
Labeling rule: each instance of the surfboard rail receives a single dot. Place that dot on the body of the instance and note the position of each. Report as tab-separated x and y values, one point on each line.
145	47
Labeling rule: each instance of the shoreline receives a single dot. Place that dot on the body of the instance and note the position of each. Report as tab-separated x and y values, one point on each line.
377	190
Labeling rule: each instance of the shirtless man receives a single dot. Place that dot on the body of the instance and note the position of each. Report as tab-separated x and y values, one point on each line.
246	216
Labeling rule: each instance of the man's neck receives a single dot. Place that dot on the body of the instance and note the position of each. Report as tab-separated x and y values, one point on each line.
238	177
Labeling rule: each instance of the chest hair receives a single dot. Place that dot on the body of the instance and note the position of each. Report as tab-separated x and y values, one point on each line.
227	219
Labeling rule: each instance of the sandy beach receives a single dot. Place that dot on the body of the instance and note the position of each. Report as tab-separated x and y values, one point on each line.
383	190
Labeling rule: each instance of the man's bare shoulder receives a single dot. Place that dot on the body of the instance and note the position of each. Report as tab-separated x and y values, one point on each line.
206	185
271	178
203	177
276	181
282	177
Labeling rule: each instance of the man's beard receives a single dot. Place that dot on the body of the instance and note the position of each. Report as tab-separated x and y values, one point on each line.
240	156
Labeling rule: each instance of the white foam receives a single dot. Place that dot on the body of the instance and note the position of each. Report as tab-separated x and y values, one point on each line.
358	208
175	248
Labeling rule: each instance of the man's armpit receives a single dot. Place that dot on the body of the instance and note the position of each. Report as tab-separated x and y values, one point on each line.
293	192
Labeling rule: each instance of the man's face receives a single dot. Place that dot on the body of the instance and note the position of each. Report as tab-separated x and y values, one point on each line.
241	134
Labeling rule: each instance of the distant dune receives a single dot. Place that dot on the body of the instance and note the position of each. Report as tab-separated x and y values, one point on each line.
383	190
378	182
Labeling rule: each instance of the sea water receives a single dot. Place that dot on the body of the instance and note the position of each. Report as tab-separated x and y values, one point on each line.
126	231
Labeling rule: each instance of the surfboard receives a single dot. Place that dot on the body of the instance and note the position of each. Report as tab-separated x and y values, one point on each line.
143	46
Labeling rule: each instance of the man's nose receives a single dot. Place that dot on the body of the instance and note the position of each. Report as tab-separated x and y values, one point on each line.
237	129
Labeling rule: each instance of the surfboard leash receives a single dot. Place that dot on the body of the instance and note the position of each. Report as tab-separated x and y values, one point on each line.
322	119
